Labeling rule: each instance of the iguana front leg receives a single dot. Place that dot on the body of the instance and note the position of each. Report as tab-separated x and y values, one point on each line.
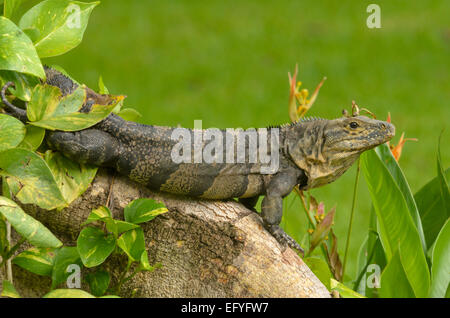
272	206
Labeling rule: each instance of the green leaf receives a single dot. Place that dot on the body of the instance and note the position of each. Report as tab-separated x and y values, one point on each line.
343	290
103	214
36	260
320	268
68	293
17	52
144	264
76	121
445	192
129	114
10	7
124	226
31	229
12	132
36	183
99	214
440	268
9	290
98	282
361	265
65	256
70	103
391	164
61	25
6	191
94	246
431	208
3	240
143	210
394	283
72	178
102	89
43	102
64	116
371	252
397	228
33	138
32	33
379	256
322	230
132	243
24	83
47	102
117	227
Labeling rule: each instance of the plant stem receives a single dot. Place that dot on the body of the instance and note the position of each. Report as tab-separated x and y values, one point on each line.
122	276
7	256
351	219
131	276
108	200
9	275
313	225
304	207
15	247
6	191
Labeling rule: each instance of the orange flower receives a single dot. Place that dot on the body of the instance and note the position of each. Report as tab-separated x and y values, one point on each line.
397	149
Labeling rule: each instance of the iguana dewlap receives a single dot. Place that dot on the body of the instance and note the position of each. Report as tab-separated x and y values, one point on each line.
311	153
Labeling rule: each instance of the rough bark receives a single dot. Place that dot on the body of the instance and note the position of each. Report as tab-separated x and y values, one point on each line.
206	248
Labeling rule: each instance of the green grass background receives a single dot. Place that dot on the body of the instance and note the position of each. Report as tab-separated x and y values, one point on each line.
226	62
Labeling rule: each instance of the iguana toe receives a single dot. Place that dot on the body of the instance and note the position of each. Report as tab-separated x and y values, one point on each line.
284	239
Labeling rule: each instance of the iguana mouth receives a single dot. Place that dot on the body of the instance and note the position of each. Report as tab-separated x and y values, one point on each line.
391	130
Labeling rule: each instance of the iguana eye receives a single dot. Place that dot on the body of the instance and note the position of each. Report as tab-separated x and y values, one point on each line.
354	125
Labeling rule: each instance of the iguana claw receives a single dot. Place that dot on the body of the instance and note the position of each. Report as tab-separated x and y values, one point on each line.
284	239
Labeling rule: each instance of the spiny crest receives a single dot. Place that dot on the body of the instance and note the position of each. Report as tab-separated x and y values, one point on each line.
299	121
306	119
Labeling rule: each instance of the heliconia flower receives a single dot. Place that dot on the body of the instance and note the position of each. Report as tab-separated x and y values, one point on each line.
321	209
292	92
397	149
300	97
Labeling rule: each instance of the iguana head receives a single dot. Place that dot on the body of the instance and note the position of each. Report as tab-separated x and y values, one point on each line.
356	134
325	149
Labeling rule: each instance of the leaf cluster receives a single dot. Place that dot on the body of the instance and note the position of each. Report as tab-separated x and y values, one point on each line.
33	174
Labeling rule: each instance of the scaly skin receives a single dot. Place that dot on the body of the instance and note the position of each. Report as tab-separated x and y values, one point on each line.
312	153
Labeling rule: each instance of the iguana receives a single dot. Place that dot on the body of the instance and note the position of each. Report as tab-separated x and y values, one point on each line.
311	153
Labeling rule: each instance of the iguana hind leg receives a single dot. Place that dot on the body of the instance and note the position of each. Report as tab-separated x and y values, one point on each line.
90	146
